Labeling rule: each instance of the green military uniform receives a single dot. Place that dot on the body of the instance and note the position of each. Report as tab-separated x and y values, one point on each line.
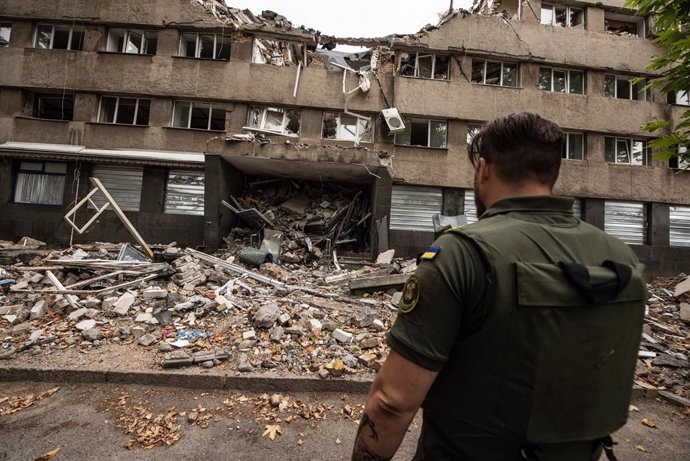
533	319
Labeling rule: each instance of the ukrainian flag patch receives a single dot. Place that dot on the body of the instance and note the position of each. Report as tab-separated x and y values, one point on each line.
430	253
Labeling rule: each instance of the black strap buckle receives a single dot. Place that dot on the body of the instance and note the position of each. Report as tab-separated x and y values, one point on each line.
603	292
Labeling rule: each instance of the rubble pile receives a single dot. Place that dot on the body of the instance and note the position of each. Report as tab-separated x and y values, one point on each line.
664	363
312	219
191	308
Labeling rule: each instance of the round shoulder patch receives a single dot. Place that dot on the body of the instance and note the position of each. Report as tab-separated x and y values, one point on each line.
410	295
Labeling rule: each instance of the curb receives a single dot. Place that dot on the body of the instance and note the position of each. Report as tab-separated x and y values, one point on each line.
227	382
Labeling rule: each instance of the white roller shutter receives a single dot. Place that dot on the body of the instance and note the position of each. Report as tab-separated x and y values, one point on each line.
412	208
184	193
577	208
470	206
627	221
123	184
679	226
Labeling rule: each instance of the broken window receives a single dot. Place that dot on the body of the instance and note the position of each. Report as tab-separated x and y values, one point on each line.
622	24
424	133
472	130
54	106
277	53
57	37
126	111
345	127
199	115
123	184
205	46
424	65
626	220
132	41
561	80
681	98
562	15
494	73
275	120
574	146
624	87
625	151
5	32
41	183
680	162
184	193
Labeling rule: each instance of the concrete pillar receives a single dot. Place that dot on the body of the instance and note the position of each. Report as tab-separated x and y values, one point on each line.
6	180
528	75
235	117
594	19
380	193
241	49
85	107
93	38
153	189
22	35
11	102
658	224
594	148
221	181
593	212
453	201
168	43
161	112
310	124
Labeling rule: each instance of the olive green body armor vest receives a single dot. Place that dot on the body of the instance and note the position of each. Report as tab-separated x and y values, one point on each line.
555	358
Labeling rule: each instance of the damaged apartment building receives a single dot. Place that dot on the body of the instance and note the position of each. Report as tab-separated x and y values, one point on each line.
188	111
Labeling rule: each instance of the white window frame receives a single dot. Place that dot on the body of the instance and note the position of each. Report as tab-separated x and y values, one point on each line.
568	12
631	95
503	64
191	109
117	106
361	128
8	27
125	40
433	65
197	47
72	29
629	141
428	121
567	79
567	155
263	115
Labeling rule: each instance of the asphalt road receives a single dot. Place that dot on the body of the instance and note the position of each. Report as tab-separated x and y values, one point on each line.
82	421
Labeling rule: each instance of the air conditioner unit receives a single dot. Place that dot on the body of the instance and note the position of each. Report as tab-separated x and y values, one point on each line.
393	120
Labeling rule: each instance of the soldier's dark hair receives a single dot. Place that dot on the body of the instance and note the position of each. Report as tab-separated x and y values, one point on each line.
522	147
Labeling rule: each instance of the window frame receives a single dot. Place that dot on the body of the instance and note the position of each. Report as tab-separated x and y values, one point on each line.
197	47
18	170
410	120
568	13
631	95
503	64
145	41
434	57
117	105
72	29
359	137
284	122
566	155
629	141
7	26
38	97
191	109
567	79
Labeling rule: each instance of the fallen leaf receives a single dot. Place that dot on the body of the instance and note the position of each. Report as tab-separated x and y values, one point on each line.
46	456
647	422
271	430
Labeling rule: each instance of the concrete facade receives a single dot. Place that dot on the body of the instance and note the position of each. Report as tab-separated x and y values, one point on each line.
238	83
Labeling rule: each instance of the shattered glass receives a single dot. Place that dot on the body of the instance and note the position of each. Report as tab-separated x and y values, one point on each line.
559	81
438	134
561	16
407	65
478	70
545	78
509	75
5	31
638	153
622	151
425	65
43	36
577	82
610	86
441	67
134	43
493	73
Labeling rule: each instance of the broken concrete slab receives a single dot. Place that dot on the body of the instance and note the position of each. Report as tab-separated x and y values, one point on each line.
297	205
85	325
39	310
76	315
342	336
266	316
155	293
386	257
684	312
92	334
147	339
382	283
123	303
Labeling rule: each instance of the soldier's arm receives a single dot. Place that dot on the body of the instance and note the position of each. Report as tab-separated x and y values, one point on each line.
394	398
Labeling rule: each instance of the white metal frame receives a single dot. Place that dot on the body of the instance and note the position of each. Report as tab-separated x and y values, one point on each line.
503	64
428	121
197	47
567	78
568	10
189	117
359	132
631	95
262	121
433	66
117	107
629	141
52	34
109	202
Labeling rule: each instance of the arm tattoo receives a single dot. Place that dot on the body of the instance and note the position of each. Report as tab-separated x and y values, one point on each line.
361	452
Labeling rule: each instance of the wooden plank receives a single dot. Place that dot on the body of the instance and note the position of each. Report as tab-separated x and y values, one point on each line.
383	283
70	298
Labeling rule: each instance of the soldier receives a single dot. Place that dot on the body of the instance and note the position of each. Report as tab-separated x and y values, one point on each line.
517	334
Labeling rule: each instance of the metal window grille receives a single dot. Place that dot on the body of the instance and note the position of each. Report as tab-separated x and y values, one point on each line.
470	206
679	226
627	221
184	193
412	208
123	184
